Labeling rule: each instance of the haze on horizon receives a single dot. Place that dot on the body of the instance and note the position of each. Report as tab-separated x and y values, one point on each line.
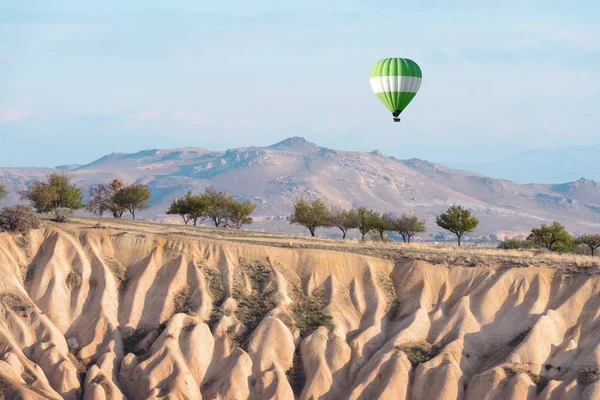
78	81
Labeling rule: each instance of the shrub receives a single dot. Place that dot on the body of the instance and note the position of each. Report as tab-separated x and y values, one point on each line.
63	214
515	244
3	192
18	218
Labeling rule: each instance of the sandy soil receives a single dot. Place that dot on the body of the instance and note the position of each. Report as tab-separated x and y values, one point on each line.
119	309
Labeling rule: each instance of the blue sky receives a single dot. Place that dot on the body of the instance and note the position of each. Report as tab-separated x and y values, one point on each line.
82	79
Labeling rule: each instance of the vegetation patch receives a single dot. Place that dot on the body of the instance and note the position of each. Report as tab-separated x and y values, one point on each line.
295	374
17	304
240	341
253	307
5	387
119	272
393	303
308	311
28	376
588	375
182	302
73	280
215	283
419	353
215	316
81	368
539	381
23	242
102	381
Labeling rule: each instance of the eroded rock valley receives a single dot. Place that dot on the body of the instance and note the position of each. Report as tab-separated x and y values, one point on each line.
118	314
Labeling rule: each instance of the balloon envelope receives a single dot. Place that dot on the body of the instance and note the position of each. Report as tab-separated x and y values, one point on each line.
395	81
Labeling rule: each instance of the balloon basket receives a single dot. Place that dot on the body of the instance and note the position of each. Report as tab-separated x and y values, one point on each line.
396	119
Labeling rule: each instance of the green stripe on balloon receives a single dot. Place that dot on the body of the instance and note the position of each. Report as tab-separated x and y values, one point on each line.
396	101
395	67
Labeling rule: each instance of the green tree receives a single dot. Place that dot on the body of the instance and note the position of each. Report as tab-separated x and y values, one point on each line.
367	221
550	236
407	226
310	214
3	192
344	220
133	198
218	205
381	223
592	241
180	206
239	212
457	220
55	191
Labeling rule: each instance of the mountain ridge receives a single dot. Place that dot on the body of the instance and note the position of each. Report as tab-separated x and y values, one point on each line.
275	176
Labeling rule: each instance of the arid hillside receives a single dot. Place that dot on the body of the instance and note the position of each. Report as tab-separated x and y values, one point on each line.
135	310
274	177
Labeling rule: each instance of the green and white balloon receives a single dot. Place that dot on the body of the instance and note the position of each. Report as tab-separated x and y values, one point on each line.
395	81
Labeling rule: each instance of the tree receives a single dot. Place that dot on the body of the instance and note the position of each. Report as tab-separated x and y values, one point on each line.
181	206
239	212
117	210
102	199
18	218
133	198
367	220
550	236
218	205
56	191
592	241
310	214
407	226
381	223
344	219
3	192
457	220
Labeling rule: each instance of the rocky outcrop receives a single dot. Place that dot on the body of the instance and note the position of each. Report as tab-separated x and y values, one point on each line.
116	314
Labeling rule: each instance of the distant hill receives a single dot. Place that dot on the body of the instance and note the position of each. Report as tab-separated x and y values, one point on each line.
275	176
544	165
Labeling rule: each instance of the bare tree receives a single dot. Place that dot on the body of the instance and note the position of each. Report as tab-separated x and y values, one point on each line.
407	226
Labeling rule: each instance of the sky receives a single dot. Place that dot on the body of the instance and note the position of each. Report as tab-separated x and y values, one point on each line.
79	80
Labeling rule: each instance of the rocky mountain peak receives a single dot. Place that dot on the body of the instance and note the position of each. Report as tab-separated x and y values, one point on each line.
296	143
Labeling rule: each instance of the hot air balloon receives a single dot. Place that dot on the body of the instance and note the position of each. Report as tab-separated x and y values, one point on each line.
395	81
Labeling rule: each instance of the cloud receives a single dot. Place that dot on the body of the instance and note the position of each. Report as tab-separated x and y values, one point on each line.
12	115
147	115
188	116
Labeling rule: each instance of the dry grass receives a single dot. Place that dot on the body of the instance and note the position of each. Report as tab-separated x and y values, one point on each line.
444	254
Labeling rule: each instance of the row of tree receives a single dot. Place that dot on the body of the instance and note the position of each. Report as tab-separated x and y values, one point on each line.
57	194
218	207
315	214
553	237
